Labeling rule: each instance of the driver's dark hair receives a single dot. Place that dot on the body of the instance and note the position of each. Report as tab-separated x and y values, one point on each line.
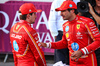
75	11
23	17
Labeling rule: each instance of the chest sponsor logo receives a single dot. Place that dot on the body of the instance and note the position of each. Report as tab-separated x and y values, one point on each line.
75	46
15	46
17	27
67	28
78	26
67	35
16	36
79	35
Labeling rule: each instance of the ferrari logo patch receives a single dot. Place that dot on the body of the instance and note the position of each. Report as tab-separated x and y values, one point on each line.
78	26
17	27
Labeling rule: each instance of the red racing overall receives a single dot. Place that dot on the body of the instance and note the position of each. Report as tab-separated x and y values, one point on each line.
80	34
26	46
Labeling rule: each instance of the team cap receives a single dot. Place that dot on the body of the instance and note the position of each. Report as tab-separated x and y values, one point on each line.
28	8
67	5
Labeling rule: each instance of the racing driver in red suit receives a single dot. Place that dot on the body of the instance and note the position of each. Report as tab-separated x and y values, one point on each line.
26	47
80	35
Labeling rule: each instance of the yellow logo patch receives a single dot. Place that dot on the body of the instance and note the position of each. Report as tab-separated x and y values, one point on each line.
78	26
67	35
17	27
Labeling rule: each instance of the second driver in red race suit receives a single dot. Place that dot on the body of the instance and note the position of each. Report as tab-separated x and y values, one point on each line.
80	35
24	39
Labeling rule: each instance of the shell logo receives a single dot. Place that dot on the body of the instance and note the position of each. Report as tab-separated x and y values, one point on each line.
67	35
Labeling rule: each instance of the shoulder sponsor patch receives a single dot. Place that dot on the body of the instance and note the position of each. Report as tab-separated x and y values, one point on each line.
91	23
15	46
67	28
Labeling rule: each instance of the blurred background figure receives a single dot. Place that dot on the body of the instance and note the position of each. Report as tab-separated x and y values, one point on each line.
55	25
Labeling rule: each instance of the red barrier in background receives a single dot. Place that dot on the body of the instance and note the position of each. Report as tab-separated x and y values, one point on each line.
9	16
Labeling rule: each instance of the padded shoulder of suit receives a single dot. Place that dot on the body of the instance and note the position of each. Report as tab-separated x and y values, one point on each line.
85	19
65	23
